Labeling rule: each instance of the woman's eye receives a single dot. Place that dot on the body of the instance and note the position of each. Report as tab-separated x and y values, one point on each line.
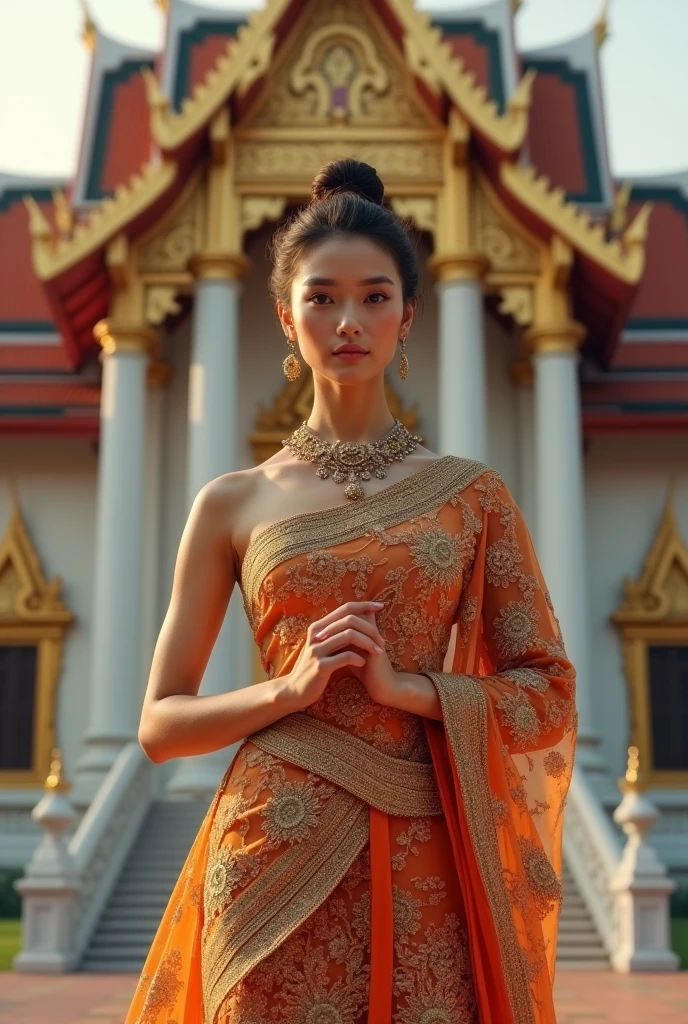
320	295
381	294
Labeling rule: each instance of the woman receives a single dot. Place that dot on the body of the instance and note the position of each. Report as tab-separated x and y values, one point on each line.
385	845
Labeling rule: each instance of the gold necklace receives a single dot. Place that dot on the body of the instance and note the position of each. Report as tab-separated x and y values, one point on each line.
350	460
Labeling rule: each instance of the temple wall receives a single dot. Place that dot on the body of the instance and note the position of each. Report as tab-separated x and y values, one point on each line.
56	482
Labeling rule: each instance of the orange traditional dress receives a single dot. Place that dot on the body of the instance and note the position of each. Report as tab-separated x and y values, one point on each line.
364	865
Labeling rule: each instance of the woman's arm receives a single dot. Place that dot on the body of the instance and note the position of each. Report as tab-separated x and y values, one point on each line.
175	721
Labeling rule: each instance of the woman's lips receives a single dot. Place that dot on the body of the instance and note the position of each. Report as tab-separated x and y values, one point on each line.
350	356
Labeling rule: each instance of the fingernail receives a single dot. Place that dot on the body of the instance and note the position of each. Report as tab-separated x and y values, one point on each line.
381	604
377	648
321	634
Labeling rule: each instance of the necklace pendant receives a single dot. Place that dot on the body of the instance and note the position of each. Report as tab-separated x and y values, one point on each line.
354	491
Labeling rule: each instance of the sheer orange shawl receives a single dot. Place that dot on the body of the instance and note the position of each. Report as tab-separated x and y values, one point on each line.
502	759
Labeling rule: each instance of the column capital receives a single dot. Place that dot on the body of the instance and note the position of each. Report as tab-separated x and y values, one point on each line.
120	336
567	336
219	266
458	266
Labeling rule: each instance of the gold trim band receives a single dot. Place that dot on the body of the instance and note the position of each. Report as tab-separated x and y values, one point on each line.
391	784
286	893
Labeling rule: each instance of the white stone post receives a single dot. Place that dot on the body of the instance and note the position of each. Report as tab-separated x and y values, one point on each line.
462	385
641	886
115	693
50	885
560	508
213	449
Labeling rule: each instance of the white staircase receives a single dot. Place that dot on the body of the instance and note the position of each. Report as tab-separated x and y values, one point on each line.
133	912
580	944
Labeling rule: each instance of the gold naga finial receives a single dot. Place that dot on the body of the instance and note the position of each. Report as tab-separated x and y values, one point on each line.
89	31
39	226
64	214
602	25
635	235
55	781
617	220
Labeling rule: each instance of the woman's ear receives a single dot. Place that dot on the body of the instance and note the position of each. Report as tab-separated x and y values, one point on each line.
285	318
407	318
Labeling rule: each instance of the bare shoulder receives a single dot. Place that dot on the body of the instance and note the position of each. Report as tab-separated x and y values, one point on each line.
237	500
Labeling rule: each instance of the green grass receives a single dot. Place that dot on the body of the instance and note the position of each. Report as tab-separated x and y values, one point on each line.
10	933
679	939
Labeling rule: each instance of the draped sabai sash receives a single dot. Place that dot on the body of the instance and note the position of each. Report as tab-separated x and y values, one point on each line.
261	917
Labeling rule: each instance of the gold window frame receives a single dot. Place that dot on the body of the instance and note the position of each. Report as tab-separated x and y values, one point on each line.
32	613
654	613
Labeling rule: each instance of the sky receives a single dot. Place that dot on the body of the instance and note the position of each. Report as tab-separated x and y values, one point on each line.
44	73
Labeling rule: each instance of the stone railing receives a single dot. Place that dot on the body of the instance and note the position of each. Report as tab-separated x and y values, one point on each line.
592	851
625	886
67	884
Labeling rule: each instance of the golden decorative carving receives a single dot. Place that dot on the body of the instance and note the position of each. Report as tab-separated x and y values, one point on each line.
624	257
52	256
175	240
500	236
421	209
654	612
298	161
517	302
257	209
32	613
339	66
293	404
161	301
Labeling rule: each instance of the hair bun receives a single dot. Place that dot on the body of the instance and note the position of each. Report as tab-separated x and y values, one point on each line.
347	175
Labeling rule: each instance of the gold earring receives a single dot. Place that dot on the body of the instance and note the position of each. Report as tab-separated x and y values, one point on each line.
291	365
403	362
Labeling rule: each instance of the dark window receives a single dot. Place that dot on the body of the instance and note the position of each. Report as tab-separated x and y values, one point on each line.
17	705
669	707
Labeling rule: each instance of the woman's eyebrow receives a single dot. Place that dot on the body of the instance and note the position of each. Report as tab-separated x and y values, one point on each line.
380	279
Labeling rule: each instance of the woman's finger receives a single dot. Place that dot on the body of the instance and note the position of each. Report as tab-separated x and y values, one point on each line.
350	636
349	607
354	622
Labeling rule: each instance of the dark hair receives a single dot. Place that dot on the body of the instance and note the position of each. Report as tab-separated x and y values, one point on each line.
346	199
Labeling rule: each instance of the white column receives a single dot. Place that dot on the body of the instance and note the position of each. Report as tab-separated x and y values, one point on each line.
213	449
522	376
462	385
159	373
115	700
560	508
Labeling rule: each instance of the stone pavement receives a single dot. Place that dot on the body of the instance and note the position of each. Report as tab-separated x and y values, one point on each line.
583	997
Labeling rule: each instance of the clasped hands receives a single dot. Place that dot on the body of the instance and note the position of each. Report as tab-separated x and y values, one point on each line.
356	620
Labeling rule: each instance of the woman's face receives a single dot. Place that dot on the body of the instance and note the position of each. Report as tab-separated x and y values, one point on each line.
347	290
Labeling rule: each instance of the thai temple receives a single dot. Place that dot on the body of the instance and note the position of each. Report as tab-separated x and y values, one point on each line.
140	357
